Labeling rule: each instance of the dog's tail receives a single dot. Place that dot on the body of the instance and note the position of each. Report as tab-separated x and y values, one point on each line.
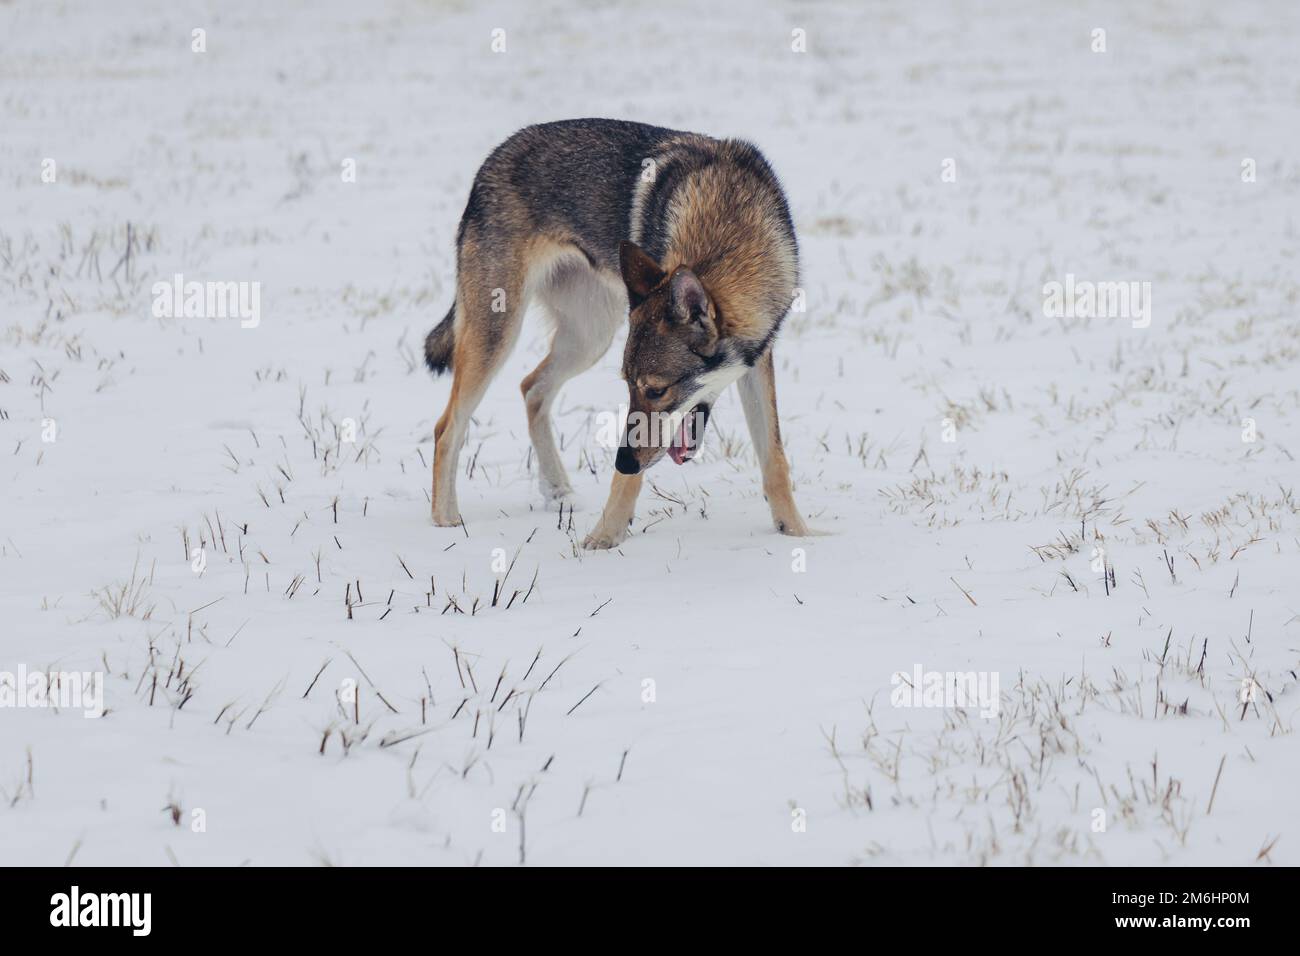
439	343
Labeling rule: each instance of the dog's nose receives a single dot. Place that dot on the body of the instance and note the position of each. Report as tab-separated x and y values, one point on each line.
625	462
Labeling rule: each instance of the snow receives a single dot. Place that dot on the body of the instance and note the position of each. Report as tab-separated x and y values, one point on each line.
767	733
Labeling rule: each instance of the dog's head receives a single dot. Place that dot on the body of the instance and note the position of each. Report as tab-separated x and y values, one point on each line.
676	362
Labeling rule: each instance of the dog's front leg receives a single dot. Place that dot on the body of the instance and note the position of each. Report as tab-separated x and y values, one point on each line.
611	529
758	397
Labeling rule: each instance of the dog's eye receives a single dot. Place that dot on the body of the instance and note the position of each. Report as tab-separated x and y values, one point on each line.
655	393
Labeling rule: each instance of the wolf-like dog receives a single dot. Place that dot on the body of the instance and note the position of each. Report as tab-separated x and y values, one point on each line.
689	237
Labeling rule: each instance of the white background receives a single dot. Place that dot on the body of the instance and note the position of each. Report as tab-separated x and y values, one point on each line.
924	303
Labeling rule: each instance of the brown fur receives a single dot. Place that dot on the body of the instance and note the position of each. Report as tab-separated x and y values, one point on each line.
728	232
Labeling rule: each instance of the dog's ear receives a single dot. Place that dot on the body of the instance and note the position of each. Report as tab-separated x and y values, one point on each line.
690	303
640	272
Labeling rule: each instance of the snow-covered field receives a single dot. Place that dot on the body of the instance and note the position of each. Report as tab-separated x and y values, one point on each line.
232	524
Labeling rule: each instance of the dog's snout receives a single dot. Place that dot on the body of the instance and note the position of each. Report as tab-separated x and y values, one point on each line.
625	462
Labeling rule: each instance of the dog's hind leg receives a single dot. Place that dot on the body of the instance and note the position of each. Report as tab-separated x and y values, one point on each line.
757	389
586	313
489	312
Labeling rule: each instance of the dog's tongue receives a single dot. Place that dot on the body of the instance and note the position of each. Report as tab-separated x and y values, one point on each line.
681	449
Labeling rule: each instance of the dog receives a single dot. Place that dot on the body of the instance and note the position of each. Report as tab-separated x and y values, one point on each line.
688	237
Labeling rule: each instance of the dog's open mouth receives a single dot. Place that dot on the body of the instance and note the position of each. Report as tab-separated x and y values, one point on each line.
689	434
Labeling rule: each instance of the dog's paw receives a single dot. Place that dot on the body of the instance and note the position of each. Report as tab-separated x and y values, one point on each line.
794	527
559	499
445	520
602	540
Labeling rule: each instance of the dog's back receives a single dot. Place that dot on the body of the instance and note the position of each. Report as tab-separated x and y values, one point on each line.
573	180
